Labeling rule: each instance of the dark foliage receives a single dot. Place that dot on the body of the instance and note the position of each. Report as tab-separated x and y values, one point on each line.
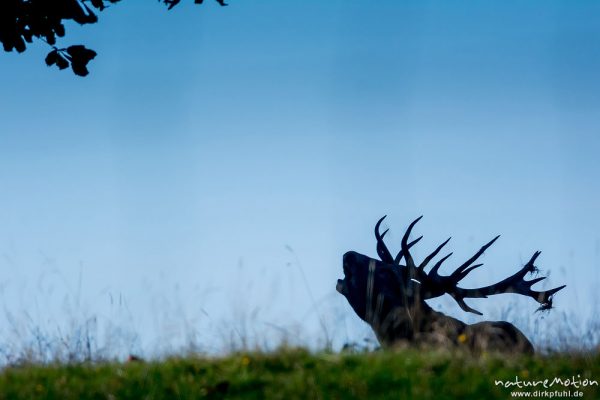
22	21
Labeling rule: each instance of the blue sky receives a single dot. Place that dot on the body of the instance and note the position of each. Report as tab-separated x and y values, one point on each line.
206	142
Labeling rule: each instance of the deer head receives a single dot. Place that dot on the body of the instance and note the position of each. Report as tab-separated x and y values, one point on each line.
390	296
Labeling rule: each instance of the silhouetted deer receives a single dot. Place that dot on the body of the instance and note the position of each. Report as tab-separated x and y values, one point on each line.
390	297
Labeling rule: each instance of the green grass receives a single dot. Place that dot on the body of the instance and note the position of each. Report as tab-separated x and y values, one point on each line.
298	374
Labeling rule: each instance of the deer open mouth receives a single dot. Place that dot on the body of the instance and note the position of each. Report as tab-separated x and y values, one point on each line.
341	286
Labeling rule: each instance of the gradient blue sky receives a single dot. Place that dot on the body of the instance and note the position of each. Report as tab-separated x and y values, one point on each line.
207	141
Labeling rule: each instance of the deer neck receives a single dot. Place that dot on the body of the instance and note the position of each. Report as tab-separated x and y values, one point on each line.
416	323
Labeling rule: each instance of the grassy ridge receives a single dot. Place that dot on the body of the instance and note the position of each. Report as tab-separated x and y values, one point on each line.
298	374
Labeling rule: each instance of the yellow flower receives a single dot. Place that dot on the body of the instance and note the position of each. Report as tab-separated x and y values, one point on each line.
245	361
462	338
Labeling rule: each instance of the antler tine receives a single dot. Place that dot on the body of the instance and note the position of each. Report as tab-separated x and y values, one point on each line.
401	253
462	275
433	254
382	249
405	249
464	269
465	306
434	271
545	298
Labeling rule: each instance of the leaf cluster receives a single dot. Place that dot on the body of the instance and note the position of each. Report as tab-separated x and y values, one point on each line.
22	21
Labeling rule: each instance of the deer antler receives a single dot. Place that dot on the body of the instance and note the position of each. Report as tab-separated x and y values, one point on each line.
433	284
382	250
515	283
